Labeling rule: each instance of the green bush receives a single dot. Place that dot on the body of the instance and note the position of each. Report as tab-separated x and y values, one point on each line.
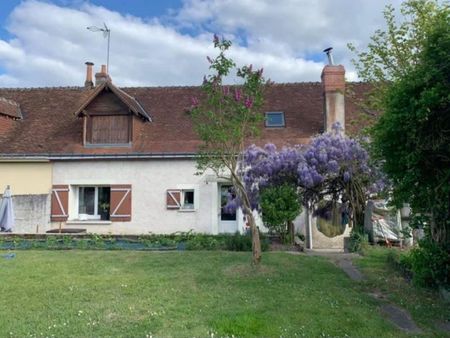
180	241
239	242
280	205
430	264
204	242
358	241
401	261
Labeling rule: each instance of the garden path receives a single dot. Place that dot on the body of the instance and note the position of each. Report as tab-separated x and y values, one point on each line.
397	315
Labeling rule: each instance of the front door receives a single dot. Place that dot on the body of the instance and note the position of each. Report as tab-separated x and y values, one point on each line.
227	218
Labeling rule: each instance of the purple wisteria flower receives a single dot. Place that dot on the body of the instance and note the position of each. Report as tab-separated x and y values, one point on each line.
325	166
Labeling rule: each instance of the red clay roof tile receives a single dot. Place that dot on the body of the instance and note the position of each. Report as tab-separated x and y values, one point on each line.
49	125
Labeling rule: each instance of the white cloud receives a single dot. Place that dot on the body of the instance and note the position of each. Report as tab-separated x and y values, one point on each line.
51	43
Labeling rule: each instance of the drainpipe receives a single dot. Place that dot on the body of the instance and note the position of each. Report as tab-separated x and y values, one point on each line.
308	223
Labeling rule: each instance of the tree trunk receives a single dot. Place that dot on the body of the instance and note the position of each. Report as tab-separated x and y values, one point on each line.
256	242
246	206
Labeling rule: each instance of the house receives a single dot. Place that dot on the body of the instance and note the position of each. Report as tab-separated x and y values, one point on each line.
122	160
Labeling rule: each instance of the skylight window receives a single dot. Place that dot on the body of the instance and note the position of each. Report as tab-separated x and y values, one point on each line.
275	119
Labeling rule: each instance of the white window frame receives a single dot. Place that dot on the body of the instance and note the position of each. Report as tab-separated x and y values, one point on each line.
188	187
283	125
96	216
182	205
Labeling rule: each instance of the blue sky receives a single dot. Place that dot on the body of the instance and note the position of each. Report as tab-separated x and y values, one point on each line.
140	8
45	43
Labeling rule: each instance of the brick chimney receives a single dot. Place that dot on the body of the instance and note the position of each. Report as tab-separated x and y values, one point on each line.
333	82
88	83
102	76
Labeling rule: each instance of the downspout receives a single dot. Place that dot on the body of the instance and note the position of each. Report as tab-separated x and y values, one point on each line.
309	221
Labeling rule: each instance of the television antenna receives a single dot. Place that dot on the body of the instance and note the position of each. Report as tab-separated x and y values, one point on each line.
106	34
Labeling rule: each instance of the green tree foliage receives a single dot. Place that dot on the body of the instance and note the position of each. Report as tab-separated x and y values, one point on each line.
409	67
393	52
225	118
280	205
413	134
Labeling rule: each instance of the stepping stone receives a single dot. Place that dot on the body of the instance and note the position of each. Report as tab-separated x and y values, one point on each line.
350	270
400	318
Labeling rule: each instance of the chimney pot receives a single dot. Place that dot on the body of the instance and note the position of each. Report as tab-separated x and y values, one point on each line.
328	51
88	82
102	76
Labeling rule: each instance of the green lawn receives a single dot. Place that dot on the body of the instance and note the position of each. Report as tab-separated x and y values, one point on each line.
138	294
425	306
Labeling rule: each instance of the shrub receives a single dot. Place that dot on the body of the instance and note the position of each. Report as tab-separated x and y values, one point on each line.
280	205
401	261
430	264
358	241
204	242
239	242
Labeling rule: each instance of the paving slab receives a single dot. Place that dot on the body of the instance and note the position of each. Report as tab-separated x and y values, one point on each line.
350	269
400	317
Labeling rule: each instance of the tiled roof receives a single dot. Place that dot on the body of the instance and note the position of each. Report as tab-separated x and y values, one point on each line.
50	126
10	108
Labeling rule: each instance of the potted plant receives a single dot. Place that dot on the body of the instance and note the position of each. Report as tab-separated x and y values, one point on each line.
104	211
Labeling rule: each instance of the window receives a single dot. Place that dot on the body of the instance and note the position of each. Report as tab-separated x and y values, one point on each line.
182	199
227	195
187	199
275	119
94	203
108	129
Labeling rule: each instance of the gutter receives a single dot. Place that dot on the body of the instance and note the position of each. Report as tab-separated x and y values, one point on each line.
70	157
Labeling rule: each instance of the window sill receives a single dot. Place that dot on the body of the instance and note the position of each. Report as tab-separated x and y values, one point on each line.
187	210
88	222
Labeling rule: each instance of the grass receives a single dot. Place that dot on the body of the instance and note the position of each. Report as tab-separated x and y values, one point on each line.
425	306
141	294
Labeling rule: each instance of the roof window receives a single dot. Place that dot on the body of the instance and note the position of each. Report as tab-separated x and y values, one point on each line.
275	119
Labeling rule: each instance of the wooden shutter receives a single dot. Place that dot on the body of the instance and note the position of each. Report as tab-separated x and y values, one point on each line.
173	199
60	203
120	206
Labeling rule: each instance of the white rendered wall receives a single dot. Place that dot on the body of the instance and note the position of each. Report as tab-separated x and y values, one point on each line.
149	179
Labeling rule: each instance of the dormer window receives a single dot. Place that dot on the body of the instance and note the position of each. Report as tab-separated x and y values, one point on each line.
275	119
108	129
109	114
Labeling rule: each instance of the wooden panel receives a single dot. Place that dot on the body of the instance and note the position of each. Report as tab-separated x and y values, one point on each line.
107	103
120	205
60	203
173	199
109	129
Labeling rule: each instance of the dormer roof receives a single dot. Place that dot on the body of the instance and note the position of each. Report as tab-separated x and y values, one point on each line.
131	102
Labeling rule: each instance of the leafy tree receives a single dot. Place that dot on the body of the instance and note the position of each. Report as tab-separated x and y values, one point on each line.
280	205
225	117
413	134
393	52
408	65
